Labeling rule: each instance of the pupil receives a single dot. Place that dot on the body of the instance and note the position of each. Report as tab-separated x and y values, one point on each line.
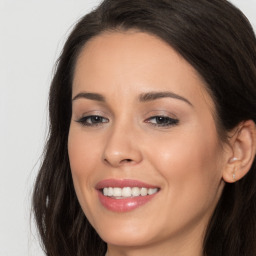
162	120
96	119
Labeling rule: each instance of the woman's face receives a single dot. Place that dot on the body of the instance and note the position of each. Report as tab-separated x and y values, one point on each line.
142	130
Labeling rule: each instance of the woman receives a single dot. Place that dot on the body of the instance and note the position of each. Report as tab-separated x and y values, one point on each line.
152	137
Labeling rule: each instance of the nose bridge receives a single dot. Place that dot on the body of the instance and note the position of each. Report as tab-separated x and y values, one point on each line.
121	147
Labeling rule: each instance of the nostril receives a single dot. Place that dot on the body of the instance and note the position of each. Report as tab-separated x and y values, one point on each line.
123	160
127	160
117	160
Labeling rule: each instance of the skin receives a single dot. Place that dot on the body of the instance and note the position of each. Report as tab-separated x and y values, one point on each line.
185	160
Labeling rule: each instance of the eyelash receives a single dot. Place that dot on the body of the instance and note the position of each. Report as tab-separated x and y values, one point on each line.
163	121
98	120
160	121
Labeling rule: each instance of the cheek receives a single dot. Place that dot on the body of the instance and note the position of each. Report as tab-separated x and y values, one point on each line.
186	152
83	153
83	157
190	167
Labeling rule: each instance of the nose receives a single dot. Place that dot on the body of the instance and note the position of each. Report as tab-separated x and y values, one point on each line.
121	147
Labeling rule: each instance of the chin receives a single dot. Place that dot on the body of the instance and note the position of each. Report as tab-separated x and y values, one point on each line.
126	234
123	239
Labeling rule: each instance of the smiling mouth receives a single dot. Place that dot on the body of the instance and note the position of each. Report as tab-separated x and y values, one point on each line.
127	192
125	195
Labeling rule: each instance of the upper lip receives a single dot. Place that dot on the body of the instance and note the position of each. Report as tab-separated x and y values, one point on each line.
123	183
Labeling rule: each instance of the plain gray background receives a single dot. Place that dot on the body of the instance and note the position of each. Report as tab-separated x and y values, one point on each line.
32	34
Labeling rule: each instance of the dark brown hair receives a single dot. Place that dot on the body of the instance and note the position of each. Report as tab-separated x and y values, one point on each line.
218	41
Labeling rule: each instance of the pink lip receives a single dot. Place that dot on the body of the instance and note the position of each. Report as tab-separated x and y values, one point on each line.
126	204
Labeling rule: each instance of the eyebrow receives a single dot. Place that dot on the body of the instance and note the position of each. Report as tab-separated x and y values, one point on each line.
89	96
149	96
144	97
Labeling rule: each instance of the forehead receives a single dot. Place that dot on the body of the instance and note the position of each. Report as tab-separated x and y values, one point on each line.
135	61
131	51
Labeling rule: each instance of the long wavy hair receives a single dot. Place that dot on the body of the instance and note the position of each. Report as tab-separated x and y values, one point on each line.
219	42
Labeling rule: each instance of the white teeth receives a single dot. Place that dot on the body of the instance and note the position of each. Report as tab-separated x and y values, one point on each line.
128	192
117	192
110	192
143	191
152	191
135	191
105	191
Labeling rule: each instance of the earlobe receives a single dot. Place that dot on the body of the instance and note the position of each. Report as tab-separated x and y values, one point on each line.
230	174
243	145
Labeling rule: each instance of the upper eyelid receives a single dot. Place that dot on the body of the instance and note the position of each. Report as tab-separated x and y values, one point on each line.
147	119
164	116
162	111
157	112
90	113
83	121
173	122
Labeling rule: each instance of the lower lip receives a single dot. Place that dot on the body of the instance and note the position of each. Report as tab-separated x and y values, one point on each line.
123	205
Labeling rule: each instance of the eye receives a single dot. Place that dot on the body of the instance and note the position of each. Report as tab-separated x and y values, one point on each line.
162	121
93	120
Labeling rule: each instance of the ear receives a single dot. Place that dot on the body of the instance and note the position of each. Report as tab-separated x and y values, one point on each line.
243	149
